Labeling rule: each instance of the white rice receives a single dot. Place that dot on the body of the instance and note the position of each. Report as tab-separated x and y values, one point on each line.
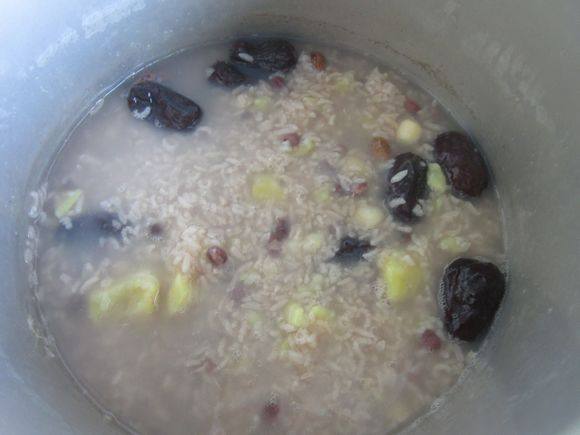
357	367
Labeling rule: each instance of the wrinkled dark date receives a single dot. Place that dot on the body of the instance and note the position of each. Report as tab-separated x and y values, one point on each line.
226	74
462	164
351	250
163	106
91	226
406	185
469	296
270	55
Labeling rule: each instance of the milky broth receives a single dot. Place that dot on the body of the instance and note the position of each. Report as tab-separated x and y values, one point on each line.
236	361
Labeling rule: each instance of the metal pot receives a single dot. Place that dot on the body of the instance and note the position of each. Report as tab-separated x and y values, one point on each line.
508	71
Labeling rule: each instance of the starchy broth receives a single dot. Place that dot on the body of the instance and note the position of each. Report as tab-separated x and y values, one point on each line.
257	272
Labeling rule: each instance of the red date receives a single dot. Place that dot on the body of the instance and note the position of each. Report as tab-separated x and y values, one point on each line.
163	106
227	75
469	296
462	164
351	250
269	55
406	185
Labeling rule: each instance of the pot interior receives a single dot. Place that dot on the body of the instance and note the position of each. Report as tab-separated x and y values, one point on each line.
509	87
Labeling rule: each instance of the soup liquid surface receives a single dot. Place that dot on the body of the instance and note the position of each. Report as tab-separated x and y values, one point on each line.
279	338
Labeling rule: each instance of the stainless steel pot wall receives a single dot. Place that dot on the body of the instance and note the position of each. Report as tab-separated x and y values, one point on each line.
509	71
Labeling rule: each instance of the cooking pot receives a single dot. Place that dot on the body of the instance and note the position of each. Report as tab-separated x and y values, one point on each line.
509	72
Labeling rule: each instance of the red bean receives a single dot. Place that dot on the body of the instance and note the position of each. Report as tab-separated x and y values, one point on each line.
278	82
430	340
359	188
271	409
281	230
412	106
380	148
291	139
353	188
210	366
217	256
318	61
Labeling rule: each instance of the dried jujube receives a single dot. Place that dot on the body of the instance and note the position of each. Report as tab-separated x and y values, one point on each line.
351	250
227	75
270	54
406	185
469	296
163	106
91	226
462	164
